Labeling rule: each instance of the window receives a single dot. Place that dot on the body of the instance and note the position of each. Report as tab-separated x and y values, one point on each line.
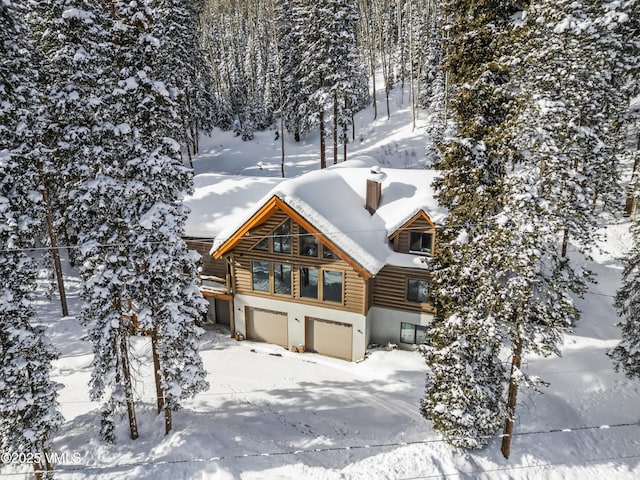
260	276
309	282
279	241
326	253
282	238
420	242
413	334
282	278
263	245
332	286
417	290
308	244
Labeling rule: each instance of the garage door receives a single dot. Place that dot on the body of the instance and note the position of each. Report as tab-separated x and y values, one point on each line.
329	338
267	326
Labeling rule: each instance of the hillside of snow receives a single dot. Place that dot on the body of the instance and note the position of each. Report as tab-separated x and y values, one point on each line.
271	413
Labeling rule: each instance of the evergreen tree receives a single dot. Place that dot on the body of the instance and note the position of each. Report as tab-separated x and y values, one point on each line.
135	265
626	355
461	401
186	67
28	398
571	75
292	21
349	87
433	87
471	187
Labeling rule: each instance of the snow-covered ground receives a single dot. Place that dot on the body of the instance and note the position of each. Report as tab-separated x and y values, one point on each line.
271	413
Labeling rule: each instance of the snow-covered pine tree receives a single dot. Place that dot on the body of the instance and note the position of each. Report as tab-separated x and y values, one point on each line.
349	89
571	72
460	399
292	18
69	36
146	272
626	355
187	67
28	398
631	34
471	188
433	86
567	142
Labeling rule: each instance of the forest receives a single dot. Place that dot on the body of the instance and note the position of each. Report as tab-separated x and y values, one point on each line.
101	108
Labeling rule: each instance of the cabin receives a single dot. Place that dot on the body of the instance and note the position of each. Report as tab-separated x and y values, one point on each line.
331	261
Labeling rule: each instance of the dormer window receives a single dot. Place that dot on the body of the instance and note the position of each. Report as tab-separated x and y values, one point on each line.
421	242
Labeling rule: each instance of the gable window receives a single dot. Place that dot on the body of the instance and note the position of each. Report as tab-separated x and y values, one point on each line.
282	278
417	290
309	282
420	242
413	334
282	238
308	244
260	276
263	245
326	253
332	286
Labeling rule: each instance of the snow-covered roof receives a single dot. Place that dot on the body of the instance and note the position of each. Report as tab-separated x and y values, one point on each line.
333	201
220	200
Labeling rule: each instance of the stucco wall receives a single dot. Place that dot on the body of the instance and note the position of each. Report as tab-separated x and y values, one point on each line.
385	324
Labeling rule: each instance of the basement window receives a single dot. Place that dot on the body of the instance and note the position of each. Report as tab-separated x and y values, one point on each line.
413	334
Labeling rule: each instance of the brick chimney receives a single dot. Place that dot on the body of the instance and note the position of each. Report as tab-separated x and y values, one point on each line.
374	190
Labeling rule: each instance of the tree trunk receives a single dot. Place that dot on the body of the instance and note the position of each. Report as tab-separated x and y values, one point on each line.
565	242
282	144
411	72
167	420
42	469
55	253
630	203
323	159
335	128
344	144
371	41
507	434
156	371
128	389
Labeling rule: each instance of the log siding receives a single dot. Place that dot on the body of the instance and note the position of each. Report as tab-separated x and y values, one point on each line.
244	254
390	289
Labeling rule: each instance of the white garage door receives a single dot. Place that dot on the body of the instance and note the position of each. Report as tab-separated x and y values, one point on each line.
329	338
267	326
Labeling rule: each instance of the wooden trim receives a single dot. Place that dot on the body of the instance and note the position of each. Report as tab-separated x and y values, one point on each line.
223	296
261	215
406	224
266	211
